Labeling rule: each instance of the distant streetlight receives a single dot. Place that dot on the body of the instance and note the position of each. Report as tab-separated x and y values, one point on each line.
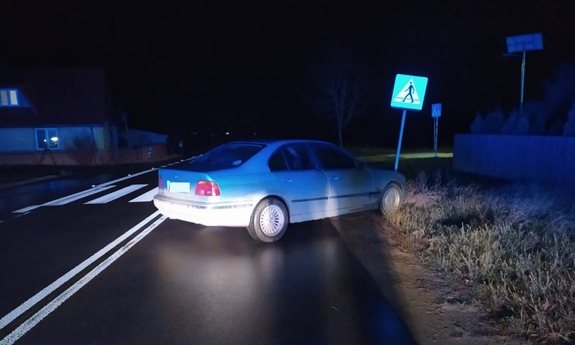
522	44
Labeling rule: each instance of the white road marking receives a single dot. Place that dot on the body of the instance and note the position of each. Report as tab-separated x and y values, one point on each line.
117	194
50	307
95	189
67	199
88	192
66	277
70	198
146	197
126	177
27	209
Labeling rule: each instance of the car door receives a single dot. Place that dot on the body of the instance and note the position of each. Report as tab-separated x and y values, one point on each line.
305	185
350	184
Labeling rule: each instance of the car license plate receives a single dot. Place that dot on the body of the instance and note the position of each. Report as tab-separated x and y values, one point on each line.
179	187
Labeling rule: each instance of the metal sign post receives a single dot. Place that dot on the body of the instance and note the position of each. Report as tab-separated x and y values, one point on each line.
408	93
435	128
522	44
400	139
435	113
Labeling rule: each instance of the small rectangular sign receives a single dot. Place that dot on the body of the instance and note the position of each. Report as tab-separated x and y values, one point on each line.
521	43
436	110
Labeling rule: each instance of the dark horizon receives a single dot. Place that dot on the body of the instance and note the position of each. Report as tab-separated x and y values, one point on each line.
191	67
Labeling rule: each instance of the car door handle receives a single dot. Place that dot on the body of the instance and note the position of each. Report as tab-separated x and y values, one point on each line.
335	178
286	180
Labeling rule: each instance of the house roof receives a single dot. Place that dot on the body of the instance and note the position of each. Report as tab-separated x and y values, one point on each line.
58	97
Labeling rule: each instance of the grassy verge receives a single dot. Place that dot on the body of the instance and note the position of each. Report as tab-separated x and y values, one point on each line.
513	243
372	150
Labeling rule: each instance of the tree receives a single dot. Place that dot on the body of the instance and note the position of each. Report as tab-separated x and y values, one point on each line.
569	128
477	125
490	124
342	86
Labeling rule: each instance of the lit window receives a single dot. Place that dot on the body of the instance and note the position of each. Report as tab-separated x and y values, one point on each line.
13	98
47	139
8	98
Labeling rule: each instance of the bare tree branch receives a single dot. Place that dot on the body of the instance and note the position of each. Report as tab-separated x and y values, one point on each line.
342	86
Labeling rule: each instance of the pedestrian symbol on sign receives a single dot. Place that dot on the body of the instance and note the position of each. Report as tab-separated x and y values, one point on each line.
409	92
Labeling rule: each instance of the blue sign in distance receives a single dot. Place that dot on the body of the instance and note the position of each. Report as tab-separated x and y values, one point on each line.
436	110
408	92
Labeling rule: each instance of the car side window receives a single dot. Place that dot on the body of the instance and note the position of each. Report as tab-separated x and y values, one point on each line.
332	157
277	161
297	157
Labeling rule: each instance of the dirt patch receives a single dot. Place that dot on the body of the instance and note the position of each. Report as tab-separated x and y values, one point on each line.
436	310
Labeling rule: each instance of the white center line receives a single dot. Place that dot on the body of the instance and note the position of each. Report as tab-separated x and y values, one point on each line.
50	307
66	277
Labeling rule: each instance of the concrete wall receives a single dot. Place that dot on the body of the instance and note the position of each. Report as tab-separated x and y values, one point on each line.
516	157
100	157
17	139
99	134
24	139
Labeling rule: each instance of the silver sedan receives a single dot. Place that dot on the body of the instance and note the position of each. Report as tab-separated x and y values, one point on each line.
265	185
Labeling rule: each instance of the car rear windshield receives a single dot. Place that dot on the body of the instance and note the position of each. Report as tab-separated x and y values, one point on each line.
226	156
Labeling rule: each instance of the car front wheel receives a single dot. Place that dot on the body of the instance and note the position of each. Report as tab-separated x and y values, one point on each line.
390	200
269	221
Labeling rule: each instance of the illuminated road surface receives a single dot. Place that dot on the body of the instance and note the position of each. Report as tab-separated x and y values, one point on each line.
115	272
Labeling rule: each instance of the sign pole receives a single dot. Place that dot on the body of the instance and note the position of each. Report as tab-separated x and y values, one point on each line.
400	138
522	82
522	44
435	113
435	128
408	93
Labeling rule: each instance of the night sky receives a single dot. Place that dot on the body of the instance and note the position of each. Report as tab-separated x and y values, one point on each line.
244	66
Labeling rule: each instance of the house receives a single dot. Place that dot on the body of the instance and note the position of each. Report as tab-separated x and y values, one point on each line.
63	116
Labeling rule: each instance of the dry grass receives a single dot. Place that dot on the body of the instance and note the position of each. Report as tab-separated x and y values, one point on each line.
515	244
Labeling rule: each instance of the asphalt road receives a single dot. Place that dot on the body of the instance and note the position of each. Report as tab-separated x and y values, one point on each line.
88	260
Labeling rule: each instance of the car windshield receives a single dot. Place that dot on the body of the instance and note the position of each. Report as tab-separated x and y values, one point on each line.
226	156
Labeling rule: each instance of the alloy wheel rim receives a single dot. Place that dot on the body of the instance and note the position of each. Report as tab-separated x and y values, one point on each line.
272	220
391	200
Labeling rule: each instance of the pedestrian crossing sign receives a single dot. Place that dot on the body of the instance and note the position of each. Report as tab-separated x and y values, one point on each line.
408	92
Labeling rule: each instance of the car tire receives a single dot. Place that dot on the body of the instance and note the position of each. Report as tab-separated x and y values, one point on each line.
391	199
269	220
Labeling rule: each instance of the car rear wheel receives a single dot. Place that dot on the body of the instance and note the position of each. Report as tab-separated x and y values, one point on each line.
269	221
391	199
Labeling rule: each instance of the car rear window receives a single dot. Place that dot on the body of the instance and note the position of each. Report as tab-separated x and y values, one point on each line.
226	156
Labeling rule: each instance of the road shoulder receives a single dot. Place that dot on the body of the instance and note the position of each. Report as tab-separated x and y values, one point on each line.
435	310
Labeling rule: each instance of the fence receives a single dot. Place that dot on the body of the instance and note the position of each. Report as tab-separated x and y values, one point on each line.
516	157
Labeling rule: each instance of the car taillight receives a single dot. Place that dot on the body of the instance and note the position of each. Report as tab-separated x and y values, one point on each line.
207	188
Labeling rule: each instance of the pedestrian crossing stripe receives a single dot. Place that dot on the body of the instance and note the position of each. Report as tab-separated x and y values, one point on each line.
148	196
408	92
117	194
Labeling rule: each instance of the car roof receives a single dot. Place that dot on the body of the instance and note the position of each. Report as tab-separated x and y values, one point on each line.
278	142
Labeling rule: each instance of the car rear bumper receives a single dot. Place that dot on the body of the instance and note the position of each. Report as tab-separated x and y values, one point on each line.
233	215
